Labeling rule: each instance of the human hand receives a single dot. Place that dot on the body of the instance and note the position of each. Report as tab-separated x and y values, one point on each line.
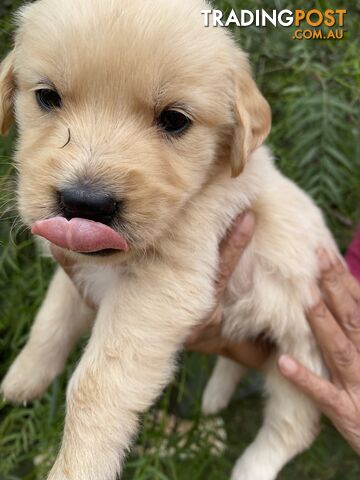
207	337
335	321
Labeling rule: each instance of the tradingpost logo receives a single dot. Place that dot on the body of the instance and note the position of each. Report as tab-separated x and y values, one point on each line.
310	24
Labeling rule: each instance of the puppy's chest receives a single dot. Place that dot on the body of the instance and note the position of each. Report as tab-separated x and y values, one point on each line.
95	280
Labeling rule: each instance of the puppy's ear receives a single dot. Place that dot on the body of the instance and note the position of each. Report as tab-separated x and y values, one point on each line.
7	91
252	120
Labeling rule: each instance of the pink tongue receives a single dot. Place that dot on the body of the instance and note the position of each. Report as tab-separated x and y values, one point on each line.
79	235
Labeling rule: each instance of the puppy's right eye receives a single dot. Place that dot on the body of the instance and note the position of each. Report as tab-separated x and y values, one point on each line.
173	122
48	99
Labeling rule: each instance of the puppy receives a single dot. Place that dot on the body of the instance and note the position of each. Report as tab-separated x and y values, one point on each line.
140	140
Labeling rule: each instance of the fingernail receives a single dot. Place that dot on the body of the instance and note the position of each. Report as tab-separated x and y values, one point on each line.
324	260
287	365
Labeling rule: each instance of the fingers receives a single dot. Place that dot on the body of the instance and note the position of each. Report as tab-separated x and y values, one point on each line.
324	393
342	295
338	350
232	247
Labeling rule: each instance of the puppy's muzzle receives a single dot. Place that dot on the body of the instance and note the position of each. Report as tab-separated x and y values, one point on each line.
88	202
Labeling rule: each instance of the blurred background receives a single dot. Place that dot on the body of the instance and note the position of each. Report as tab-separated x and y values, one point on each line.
313	88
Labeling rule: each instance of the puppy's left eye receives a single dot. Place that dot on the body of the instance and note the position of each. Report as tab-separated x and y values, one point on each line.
173	122
48	99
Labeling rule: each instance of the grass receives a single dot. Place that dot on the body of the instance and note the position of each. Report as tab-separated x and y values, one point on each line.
314	92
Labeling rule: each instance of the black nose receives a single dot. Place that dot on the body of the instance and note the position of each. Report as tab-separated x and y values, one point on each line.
87	202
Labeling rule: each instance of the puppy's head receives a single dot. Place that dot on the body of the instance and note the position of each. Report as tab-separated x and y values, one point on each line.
125	109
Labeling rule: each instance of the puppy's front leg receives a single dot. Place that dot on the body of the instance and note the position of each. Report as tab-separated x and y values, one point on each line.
129	360
61	320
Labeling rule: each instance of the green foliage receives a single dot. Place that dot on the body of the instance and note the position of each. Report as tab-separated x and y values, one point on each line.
313	88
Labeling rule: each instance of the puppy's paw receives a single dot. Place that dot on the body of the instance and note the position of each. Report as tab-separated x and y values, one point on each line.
215	398
243	472
221	386
27	379
255	465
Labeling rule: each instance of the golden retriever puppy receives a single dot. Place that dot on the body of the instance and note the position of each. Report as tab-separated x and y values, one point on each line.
141	137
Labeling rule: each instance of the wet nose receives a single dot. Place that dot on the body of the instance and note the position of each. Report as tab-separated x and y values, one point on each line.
89	203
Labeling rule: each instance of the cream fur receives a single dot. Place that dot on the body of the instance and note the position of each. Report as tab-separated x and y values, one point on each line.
116	63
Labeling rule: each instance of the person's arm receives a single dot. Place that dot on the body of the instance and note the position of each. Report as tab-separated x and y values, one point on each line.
335	321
